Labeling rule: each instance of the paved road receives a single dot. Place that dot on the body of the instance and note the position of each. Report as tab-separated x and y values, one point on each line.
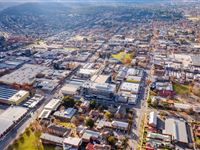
26	121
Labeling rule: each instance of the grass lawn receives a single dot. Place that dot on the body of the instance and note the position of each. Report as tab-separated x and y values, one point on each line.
133	81
30	141
181	89
152	93
123	56
197	140
66	124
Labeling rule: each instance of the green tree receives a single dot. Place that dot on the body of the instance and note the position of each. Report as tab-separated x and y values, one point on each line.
111	140
89	122
68	102
21	138
125	142
28	132
93	104
108	115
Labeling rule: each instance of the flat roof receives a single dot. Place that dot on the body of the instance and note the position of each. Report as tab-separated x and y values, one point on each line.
53	104
102	87
74	141
6	93
120	124
23	75
52	138
195	60
100	78
153	118
5	125
45	113
87	71
10	116
68	113
19	95
131	87
177	128
70	88
13	113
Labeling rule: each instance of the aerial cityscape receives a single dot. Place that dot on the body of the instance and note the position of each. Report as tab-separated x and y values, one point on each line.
100	75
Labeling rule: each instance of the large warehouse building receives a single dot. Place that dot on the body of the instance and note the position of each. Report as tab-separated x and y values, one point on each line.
11	96
10	117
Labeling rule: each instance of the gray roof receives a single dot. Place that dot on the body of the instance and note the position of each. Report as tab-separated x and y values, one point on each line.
177	128
6	93
10	116
52	138
4	125
13	113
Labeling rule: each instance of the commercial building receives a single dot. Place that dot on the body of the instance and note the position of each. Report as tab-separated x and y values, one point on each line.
31	103
177	129
70	89
103	91
130	87
53	104
100	78
11	96
10	117
24	75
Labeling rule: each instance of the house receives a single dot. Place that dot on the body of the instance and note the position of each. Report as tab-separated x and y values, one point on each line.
94	114
85	105
153	119
164	88
51	139
197	130
102	147
120	125
58	130
70	143
91	146
90	134
157	140
67	114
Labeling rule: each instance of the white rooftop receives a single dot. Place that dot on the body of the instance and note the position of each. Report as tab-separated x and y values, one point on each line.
131	87
74	141
53	104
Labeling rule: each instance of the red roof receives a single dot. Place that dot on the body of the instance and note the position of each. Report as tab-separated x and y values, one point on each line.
149	147
90	146
165	93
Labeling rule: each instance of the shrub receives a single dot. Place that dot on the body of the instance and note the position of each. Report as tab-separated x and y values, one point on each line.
89	122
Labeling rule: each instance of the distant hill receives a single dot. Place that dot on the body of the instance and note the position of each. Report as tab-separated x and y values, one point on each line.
34	8
4	5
